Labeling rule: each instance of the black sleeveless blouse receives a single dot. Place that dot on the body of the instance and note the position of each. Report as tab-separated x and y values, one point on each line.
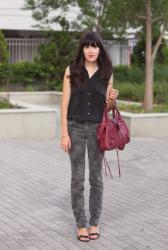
87	102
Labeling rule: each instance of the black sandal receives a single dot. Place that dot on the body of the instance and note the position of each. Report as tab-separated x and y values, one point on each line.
83	236
97	234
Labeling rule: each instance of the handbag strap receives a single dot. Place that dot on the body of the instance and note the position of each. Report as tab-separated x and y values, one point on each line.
115	111
105	118
108	167
119	170
105	114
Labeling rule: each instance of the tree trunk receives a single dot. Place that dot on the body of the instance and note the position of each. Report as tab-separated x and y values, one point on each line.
148	95
98	28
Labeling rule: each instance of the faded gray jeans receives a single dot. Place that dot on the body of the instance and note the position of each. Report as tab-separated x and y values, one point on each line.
83	134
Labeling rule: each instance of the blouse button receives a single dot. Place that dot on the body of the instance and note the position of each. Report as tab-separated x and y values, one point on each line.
88	103
89	93
88	113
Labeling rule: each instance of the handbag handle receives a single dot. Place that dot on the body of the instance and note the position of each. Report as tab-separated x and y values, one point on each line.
115	112
105	114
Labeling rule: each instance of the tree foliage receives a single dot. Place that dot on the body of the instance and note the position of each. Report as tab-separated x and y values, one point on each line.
3	49
47	12
112	16
138	55
94	15
144	14
57	54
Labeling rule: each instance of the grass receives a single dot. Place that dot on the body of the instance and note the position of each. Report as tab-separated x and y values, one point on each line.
135	92
5	104
134	108
127	91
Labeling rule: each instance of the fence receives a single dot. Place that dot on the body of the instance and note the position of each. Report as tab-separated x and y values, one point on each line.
25	49
119	52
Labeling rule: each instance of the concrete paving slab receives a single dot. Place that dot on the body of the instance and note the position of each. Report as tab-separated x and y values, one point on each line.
35	210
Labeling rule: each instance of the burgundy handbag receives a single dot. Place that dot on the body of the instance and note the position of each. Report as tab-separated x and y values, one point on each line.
112	133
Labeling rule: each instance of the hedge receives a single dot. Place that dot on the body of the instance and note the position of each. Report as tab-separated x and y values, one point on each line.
129	80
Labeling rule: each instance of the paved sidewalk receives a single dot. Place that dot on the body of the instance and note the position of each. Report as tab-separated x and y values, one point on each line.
35	210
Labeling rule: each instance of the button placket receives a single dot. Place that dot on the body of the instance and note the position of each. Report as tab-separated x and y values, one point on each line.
89	103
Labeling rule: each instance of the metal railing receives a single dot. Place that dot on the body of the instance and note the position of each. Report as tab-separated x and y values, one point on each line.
119	51
25	49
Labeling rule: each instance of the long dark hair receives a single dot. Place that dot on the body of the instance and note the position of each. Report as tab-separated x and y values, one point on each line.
103	60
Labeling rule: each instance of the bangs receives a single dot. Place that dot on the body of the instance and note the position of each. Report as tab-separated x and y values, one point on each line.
91	39
90	43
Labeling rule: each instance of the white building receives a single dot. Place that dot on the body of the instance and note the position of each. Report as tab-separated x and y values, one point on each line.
23	36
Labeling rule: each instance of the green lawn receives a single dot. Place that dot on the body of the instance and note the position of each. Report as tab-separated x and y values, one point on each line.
139	109
5	104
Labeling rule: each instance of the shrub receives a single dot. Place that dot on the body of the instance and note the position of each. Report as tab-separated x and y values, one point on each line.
5	76
132	74
26	72
161	73
5	73
21	74
139	108
4	103
135	92
136	74
3	49
130	91
57	54
160	92
138	55
121	73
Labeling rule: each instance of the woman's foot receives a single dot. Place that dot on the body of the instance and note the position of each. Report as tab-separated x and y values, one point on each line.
82	234
94	232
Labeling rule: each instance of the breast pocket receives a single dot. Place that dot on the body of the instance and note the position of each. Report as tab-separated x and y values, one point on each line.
100	88
76	103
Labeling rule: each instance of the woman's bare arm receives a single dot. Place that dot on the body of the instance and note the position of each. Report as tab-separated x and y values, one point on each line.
110	86
64	103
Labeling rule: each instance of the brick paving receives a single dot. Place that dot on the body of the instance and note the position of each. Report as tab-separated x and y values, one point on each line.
35	211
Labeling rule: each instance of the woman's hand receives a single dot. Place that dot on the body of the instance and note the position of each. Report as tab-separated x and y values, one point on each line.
112	95
65	143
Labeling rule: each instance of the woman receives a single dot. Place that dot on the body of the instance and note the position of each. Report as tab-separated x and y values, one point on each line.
87	85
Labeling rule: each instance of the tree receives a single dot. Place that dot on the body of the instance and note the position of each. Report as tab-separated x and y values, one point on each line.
56	55
93	15
114	16
148	14
3	49
4	66
153	15
47	12
138	55
118	15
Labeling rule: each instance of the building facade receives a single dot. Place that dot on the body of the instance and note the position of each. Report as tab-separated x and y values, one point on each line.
23	37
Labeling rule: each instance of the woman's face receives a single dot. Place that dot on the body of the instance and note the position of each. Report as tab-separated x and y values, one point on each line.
91	52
